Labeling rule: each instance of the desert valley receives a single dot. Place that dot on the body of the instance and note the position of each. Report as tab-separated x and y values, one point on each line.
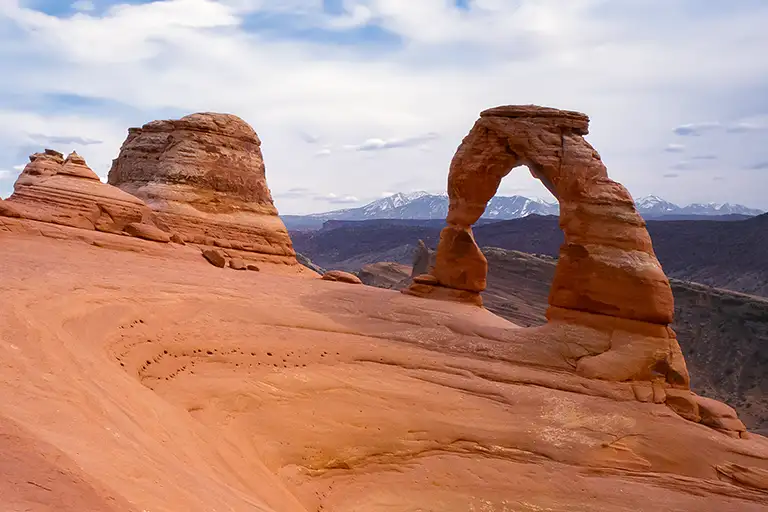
164	348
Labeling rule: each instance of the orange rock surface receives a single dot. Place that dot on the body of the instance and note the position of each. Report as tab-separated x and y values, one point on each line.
149	380
204	177
67	192
606	266
136	376
607	278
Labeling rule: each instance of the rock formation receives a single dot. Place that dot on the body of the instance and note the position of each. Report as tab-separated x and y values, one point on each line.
423	260
204	178
610	300
342	277
62	191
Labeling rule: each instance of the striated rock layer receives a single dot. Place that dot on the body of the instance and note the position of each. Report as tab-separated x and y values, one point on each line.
203	175
165	384
610	296
56	190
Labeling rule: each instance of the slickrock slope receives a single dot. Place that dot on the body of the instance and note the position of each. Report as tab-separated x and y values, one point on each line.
154	381
67	192
147	379
609	297
204	177
723	334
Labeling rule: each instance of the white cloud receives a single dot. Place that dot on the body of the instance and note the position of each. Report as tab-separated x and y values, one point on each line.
696	129
376	144
6	175
753	124
335	199
674	148
323	152
637	68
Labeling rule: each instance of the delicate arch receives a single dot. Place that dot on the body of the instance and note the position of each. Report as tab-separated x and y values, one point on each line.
607	265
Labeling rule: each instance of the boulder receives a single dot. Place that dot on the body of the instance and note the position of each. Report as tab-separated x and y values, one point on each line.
341	276
204	178
237	264
215	257
147	232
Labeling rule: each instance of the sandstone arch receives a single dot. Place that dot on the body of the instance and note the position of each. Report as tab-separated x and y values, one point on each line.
607	265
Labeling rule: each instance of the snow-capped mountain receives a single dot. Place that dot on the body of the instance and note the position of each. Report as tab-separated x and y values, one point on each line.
655	206
422	205
718	209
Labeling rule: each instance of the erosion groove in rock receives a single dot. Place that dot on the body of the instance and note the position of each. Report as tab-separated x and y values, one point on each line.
167	383
204	177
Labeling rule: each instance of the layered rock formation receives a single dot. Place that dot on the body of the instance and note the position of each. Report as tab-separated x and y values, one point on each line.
167	384
610	301
67	192
204	178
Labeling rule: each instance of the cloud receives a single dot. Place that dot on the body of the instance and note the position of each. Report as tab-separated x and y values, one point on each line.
335	199
309	138
760	166
387	70
6	175
294	193
683	165
674	148
718	178
696	129
63	139
381	144
307	194
704	157
83	5
751	124
323	152
671	175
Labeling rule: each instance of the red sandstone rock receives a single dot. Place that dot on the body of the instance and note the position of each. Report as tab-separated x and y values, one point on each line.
604	234
125	389
237	264
341	276
204	177
54	190
610	300
719	415
8	210
176	238
215	257
252	267
147	232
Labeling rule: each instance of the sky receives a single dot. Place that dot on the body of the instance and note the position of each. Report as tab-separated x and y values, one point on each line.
357	99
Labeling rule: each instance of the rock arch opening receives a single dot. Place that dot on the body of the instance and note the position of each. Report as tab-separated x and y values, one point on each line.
606	266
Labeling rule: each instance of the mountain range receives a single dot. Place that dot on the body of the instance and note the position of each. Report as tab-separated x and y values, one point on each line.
423	205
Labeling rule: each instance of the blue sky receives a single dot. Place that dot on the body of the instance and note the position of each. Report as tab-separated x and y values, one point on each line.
354	99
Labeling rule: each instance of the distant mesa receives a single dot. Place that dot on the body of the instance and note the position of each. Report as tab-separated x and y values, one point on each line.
204	178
